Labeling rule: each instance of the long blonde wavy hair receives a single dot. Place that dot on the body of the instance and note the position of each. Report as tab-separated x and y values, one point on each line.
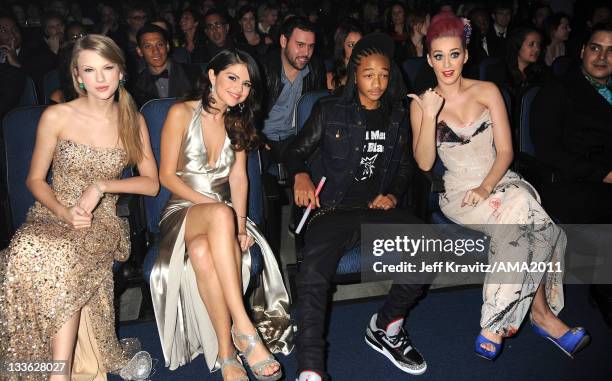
129	127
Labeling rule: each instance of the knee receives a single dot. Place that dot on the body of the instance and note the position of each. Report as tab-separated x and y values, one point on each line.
223	216
199	253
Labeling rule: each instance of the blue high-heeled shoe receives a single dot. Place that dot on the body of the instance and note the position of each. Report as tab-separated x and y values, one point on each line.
571	342
482	352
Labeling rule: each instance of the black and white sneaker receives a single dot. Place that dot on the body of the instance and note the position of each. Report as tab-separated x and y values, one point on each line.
395	344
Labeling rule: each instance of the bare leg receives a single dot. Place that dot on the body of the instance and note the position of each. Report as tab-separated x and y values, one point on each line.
544	317
216	223
212	295
62	346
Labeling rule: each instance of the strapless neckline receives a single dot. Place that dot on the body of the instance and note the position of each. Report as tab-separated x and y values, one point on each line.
83	145
480	118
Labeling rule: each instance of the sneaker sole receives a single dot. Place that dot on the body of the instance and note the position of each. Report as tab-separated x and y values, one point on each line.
391	358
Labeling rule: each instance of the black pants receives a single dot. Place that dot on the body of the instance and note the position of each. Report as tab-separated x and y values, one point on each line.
276	156
326	240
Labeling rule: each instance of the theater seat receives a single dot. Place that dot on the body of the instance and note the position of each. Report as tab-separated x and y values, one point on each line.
154	112
51	82
29	96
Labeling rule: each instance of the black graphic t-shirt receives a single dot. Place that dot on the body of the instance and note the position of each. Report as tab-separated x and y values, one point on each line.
367	176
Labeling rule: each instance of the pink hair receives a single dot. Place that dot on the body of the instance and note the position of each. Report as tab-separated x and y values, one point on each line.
445	24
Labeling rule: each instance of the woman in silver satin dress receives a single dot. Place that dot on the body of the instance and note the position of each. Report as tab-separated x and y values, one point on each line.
198	281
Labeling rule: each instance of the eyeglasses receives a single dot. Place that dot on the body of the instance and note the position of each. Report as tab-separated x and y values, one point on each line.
217	25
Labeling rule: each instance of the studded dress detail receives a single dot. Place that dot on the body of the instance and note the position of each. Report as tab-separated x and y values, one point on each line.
51	271
519	228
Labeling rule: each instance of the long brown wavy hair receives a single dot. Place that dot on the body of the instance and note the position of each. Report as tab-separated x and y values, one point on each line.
239	120
129	126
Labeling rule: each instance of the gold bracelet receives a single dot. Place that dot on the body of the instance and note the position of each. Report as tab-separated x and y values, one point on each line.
100	193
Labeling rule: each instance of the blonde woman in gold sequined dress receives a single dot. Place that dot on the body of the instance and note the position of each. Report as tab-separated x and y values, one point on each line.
56	292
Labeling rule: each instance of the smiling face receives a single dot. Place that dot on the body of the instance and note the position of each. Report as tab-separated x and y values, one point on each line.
187	22
597	56
447	57
100	76
247	22
231	85
531	48
372	78
298	48
397	15
154	49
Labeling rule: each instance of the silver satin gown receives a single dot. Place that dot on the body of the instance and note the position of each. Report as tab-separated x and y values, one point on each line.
184	326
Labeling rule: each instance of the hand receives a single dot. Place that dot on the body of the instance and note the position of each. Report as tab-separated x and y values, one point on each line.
383	202
11	54
474	196
304	191
245	241
430	102
76	217
608	178
90	198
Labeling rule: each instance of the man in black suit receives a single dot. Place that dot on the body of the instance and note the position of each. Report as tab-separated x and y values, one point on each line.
162	77
572	133
216	27
496	38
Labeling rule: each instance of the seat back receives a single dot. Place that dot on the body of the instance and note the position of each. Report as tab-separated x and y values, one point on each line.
525	143
155	112
181	55
411	68
51	82
561	65
19	128
486	69
304	106
28	96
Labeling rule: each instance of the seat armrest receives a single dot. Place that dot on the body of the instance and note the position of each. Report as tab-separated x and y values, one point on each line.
535	171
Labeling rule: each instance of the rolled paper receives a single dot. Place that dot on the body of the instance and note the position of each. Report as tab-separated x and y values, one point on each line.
309	208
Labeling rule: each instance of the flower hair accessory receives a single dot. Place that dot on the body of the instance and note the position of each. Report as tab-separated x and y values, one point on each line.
467	29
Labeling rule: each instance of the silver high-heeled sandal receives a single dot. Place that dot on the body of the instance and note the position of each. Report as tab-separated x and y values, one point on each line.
233	361
138	368
259	367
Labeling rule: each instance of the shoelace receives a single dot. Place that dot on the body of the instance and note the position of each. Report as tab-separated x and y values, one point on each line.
402	341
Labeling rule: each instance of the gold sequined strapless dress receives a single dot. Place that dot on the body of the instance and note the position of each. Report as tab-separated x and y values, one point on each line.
51	271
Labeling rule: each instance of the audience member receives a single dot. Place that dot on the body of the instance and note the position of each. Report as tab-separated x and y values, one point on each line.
125	37
540	12
248	37
289	73
496	37
418	24
557	31
163	77
192	37
109	21
396	23
66	92
267	15
347	35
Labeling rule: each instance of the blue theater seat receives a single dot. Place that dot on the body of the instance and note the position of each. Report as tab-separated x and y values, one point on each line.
28	96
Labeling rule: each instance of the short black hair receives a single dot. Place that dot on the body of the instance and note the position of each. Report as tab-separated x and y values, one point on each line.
296	22
601	27
151	28
217	11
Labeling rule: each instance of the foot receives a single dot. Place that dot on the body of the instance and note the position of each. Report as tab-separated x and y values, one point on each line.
491	336
232	369
258	354
550	323
393	342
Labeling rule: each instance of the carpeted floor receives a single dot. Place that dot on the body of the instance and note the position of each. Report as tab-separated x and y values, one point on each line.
443	326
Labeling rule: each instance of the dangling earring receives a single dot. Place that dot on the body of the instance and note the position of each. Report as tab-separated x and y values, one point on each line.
241	107
121	82
212	88
81	86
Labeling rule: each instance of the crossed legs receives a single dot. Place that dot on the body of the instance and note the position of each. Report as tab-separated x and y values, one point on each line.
212	247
